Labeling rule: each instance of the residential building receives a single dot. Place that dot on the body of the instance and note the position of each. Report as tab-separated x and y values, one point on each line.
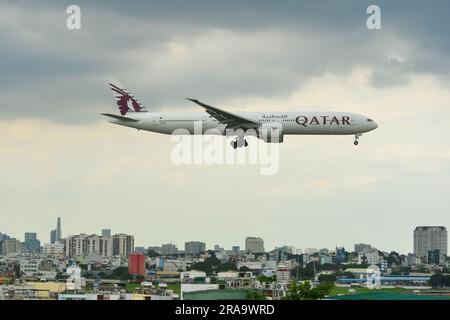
430	238
122	245
194	247
254	245
283	274
169	249
57	248
11	246
30	267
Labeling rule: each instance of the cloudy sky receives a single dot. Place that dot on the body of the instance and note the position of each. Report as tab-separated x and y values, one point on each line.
59	157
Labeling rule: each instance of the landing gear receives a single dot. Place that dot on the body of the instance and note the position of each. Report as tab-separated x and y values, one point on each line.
356	138
239	142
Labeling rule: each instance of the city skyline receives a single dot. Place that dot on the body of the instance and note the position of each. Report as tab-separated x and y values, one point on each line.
59	157
180	245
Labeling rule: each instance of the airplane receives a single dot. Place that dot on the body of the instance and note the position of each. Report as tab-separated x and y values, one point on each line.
268	126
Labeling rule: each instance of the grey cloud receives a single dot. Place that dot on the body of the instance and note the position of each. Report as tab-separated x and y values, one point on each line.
267	49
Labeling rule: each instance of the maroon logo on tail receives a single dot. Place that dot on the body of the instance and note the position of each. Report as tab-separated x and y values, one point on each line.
125	101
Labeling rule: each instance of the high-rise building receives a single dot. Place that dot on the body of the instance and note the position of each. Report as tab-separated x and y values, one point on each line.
106	246
30	236
168	249
53	236
433	257
340	255
4	236
83	245
194	247
11	246
430	238
106	232
58	229
122	245
31	243
136	264
254	244
56	234
362	247
236	250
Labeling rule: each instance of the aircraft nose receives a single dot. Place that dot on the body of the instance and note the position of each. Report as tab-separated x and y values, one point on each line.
375	125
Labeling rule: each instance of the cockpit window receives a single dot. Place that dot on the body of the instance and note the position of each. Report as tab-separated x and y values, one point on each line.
369	120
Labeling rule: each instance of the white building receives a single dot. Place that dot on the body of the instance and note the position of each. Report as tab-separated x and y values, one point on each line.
175	265
252	265
83	245
56	248
283	274
30	267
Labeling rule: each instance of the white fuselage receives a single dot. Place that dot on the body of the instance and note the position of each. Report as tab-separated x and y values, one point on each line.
292	123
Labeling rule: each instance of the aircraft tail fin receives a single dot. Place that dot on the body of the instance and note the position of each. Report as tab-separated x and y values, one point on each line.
125	100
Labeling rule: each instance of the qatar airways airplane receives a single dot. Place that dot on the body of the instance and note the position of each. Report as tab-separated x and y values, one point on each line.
268	126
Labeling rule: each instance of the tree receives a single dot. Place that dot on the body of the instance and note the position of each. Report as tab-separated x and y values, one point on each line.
439	280
327	278
213	264
263	278
304	291
255	295
394	258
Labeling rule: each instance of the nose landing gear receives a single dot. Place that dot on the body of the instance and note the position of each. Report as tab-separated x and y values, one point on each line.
356	138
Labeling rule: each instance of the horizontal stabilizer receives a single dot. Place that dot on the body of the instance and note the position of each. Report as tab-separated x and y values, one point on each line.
121	118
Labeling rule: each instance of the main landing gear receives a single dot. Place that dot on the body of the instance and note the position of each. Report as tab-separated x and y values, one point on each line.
239	142
356	138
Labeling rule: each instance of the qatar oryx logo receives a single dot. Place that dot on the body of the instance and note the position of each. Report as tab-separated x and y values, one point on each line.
305	121
125	101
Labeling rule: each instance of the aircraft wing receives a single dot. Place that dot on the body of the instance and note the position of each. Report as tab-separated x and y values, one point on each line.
232	120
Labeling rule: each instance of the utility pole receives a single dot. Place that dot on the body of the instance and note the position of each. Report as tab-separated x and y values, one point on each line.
314	268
